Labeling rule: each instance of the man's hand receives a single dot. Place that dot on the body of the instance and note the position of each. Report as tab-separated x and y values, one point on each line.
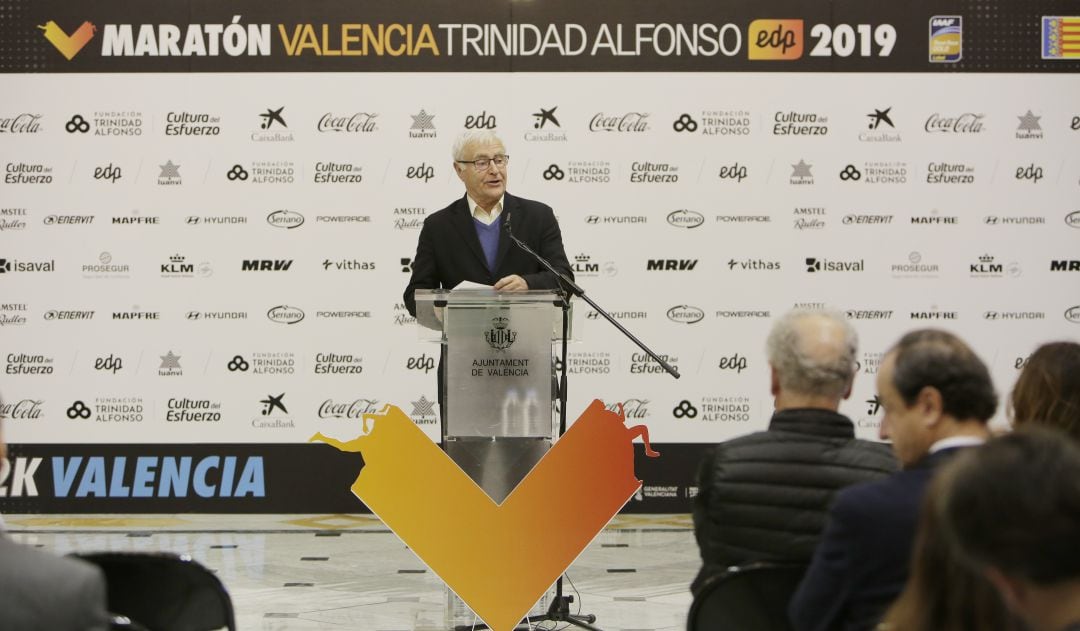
512	282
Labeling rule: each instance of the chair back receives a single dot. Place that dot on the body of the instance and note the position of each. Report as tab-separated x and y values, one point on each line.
752	597
163	591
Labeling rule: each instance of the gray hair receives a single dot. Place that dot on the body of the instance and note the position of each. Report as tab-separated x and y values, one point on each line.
474	137
824	366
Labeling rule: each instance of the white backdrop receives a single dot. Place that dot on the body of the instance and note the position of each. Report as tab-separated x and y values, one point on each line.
767	219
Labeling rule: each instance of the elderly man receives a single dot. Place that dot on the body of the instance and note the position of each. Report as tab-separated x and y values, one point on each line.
467	241
39	590
937	397
764	497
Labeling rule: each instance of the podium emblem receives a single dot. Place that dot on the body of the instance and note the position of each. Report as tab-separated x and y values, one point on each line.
500	337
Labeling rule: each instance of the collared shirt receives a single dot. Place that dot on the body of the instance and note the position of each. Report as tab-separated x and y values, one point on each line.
956	441
481	216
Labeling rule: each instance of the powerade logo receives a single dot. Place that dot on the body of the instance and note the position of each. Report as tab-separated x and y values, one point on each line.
139	477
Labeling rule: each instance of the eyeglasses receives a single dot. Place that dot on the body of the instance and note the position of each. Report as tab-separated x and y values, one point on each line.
482	164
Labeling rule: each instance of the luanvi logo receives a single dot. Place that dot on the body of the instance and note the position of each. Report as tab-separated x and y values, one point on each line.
68	45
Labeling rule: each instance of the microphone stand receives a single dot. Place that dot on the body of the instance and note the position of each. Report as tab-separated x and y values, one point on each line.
559	610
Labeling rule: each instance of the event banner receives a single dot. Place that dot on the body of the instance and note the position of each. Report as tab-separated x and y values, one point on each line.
209	213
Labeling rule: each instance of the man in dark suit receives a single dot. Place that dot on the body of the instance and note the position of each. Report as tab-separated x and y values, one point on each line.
937	397
467	240
39	590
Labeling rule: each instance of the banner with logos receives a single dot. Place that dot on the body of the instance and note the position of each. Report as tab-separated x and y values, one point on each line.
206	251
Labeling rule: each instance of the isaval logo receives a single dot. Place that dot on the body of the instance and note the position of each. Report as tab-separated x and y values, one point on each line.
68	45
775	40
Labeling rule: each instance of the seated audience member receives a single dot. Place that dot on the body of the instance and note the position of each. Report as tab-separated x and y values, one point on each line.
1048	389
40	591
764	496
1012	510
937	397
942	592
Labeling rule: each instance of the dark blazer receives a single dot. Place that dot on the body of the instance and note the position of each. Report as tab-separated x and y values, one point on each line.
862	563
39	590
449	252
765	496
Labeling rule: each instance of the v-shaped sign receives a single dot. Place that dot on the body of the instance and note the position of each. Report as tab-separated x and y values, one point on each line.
68	45
499	559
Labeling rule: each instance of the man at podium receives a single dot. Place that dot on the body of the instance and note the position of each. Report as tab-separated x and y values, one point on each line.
467	240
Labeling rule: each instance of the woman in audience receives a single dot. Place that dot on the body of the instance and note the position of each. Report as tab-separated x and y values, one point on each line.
1048	390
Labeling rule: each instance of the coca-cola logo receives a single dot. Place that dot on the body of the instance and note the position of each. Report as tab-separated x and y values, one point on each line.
685	314
685	218
632	408
24	123
284	314
966	123
631	122
358	123
25	409
355	409
285	219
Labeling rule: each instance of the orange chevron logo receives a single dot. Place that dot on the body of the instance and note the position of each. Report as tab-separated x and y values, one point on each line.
68	45
499	559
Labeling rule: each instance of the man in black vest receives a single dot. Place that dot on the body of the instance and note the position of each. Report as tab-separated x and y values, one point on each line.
764	497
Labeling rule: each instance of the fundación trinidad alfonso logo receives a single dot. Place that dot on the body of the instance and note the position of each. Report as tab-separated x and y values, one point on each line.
68	45
498	558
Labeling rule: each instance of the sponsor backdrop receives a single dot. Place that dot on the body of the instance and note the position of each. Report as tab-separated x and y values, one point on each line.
207	217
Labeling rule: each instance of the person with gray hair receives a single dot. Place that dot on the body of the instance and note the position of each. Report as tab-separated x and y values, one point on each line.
764	496
467	240
39	590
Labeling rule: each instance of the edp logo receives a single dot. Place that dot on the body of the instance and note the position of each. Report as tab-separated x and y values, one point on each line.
421	172
483	120
110	363
110	173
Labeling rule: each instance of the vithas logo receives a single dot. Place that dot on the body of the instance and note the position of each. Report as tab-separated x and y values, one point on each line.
68	45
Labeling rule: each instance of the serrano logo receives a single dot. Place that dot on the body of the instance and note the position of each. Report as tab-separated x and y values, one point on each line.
68	45
775	40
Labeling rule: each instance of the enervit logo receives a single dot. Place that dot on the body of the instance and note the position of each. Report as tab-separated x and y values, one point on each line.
685	314
1072	314
775	40
284	314
68	45
285	219
685	218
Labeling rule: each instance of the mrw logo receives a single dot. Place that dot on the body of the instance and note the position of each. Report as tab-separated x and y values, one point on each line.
68	45
498	558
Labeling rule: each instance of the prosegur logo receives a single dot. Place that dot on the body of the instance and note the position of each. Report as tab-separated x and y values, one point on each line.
68	45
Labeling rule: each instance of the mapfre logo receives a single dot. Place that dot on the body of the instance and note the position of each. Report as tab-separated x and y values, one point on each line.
775	40
68	45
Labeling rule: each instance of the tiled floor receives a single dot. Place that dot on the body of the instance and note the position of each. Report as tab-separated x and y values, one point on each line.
350	572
